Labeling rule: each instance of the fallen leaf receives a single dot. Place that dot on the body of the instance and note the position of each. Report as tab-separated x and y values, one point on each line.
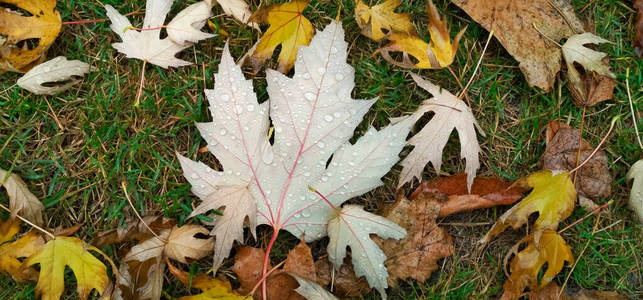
149	248
553	292
65	231
377	21
553	197
636	194
238	9
141	280
311	290
525	267
59	252
592	62
435	55
212	288
43	24
21	200
311	125
135	230
638	37
185	28
344	281
415	256
450	113
248	267
516	24
146	44
288	28
594	88
188	243
59	74
593	180
11	252
485	192
352	228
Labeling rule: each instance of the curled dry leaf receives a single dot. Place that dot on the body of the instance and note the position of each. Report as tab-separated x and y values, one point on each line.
21	200
416	256
553	292
516	24
636	194
185	28
595	84
188	243
526	266
55	255
593	180
12	252
379	20
288	28
439	53
638	37
54	71
43	24
344	281
485	192
212	288
450	113
553	197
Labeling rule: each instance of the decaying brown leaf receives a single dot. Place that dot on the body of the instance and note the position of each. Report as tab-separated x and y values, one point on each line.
280	284
415	256
552	292
595	88
141	280
516	24
18	52
593	179
485	192
344	281
638	38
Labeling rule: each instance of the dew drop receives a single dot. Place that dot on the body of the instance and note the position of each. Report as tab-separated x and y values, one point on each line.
321	70
324	178
250	107
333	50
321	144
268	157
328	118
223	132
225	97
306	213
337	114
306	76
309	96
195	176
278	129
307	174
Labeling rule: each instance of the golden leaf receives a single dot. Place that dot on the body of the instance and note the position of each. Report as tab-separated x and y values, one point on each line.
212	288
44	25
551	249
374	20
27	245
288	27
59	252
553	197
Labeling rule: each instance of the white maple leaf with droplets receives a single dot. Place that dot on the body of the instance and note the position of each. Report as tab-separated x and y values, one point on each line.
314	117
146	44
450	113
186	26
352	227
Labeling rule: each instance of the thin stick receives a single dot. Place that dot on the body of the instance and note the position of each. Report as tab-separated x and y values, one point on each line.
580	140
460	84
29	222
594	211
597	147
136	212
629	98
137	103
477	65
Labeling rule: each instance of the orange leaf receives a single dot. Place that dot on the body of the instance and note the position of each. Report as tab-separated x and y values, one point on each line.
378	20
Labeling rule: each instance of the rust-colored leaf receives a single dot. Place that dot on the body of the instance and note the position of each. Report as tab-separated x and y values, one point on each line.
345	283
594	88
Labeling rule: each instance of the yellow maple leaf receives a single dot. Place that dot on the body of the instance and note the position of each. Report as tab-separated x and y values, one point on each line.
8	229
553	197
27	245
439	53
374	20
59	252
44	24
288	27
212	288
527	264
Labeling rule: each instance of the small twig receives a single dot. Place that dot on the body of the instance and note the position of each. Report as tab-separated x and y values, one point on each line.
53	113
594	211
464	90
143	29
597	147
136	212
629	98
29	222
137	103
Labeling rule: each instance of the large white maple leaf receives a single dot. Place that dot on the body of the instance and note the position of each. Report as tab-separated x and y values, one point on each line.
314	117
450	113
146	44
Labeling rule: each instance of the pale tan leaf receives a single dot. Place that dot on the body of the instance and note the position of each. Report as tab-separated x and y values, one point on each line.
58	69
185	246
21	200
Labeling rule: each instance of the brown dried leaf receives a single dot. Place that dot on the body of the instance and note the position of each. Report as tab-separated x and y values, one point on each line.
21	200
135	230
514	23
485	192
416	255
247	266
593	179
596	88
552	292
141	280
345	283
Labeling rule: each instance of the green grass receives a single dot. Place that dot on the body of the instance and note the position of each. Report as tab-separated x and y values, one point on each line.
76	148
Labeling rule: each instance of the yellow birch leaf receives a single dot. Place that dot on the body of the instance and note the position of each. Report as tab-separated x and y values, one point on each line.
59	252
437	54
27	245
288	28
374	20
44	25
553	197
526	265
